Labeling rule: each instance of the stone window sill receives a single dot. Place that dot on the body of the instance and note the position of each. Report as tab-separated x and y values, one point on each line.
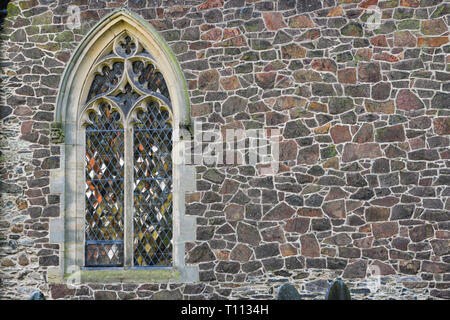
110	275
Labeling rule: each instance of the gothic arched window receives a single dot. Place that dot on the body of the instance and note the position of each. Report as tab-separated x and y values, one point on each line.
121	113
128	125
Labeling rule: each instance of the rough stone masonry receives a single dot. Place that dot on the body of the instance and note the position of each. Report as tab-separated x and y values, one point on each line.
364	113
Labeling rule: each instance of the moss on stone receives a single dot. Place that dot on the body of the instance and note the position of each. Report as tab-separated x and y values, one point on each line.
441	11
410	24
65	36
32	30
329	152
45	18
13	10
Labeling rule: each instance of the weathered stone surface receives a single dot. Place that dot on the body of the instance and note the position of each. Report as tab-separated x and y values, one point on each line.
298	225
384	229
352	29
355	270
421	232
442	125
274	20
404	39
295	129
334	209
369	72
362	179
390	134
293	51
347	76
233	105
208	80
381	91
309	246
340	134
201	253
408	101
340	105
377	214
280	212
248	234
354	152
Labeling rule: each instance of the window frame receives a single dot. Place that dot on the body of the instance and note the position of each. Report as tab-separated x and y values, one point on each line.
68	230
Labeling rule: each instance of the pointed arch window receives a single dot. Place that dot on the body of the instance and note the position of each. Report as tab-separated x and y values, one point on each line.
128	124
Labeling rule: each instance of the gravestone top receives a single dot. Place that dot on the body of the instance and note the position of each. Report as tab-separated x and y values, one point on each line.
338	290
288	292
37	295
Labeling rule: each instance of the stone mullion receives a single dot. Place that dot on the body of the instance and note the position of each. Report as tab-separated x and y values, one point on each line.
128	197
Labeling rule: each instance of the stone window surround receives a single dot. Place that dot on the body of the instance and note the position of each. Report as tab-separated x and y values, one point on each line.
68	181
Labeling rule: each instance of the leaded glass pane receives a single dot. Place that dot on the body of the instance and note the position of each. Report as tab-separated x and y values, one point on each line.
153	188
104	176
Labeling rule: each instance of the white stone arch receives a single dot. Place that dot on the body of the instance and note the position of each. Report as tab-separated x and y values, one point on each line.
69	180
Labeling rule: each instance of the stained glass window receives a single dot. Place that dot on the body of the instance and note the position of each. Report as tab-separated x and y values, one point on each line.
153	187
128	136
104	188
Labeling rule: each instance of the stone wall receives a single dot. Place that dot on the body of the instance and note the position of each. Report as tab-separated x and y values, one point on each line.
365	122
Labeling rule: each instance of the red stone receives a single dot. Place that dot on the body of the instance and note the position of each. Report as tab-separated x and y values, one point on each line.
410	3
265	80
288	102
334	209
324	65
293	51
433	27
212	35
210	4
288	150
432	41
379	41
354	152
301	22
381	269
367	3
369	72
230	83
234	212
408	101
274	20
364	134
26	127
309	246
340	134
347	75
230	33
364	53
404	39
384	56
309	212
288	250
442	125
384	229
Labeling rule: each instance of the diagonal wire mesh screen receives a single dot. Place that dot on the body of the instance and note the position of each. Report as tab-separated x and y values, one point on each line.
104	176
152	188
